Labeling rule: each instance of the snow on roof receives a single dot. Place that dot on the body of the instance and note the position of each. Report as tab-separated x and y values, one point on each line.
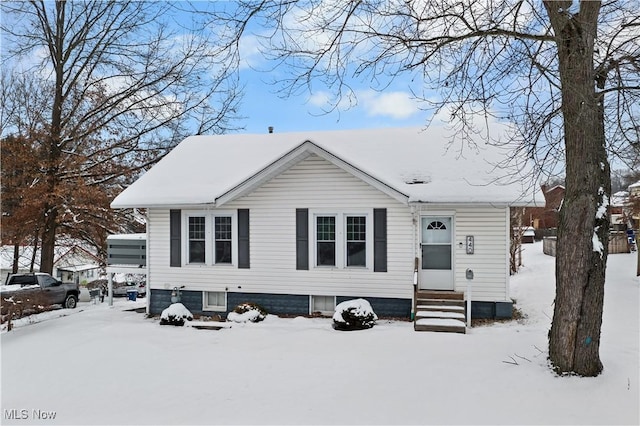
65	254
79	268
556	187
620	198
418	165
127	237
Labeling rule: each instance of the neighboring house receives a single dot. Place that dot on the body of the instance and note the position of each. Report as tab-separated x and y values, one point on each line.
299	222
634	195
618	207
546	217
77	265
71	263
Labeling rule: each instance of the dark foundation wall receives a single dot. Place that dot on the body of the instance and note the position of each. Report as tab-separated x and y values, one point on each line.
278	304
295	304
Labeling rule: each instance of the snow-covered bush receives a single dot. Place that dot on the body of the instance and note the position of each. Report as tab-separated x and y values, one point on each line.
247	312
175	314
354	314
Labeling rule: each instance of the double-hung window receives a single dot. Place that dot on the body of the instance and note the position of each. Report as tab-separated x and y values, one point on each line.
325	240
197	239
223	237
211	238
343	240
356	240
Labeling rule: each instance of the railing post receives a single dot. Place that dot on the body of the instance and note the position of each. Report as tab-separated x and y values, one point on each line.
415	288
469	275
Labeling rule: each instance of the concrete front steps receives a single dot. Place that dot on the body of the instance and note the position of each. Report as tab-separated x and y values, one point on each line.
440	311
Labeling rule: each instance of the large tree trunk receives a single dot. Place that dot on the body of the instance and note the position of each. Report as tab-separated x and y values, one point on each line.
16	258
54	154
583	232
48	240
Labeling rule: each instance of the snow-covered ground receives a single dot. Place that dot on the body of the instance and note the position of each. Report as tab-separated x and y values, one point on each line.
101	365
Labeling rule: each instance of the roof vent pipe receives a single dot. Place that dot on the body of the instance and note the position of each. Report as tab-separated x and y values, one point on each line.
270	129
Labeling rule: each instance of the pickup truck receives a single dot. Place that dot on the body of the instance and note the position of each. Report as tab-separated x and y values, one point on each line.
38	289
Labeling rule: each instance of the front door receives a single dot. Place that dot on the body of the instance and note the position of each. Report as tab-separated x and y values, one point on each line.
437	254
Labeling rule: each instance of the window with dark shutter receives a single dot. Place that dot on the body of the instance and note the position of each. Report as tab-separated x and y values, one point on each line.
175	233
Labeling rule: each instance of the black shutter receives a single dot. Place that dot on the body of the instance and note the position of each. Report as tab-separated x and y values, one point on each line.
175	255
243	238
380	240
302	239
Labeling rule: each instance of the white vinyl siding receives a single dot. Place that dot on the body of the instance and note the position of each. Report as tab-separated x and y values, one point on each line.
318	185
489	226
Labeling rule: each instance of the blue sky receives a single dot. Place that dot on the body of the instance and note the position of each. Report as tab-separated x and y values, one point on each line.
263	107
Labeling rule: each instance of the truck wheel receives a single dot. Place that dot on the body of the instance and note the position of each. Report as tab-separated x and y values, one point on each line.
71	301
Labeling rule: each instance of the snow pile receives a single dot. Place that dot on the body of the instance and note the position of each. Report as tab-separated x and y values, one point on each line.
16	287
354	314
498	371
246	312
175	314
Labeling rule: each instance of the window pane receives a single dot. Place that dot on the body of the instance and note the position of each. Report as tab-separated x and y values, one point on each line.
196	228
326	228
323	304
215	298
436	230
223	228
436	257
223	239
326	254
223	251
356	228
196	251
356	254
48	281
197	239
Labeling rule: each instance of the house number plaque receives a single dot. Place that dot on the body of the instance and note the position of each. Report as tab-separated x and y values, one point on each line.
470	244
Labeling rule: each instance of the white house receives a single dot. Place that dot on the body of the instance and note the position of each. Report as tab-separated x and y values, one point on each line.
298	222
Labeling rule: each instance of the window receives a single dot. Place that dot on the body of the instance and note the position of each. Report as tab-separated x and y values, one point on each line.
209	238
223	239
323	304
356	241
197	237
326	240
436	243
214	301
48	281
342	240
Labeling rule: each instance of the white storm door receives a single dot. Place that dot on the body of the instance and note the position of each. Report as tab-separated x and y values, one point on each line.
436	272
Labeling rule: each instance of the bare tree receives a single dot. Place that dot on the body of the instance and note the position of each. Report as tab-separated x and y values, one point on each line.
516	232
105	89
566	73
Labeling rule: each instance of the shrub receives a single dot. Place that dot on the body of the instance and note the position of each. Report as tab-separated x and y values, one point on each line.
354	314
175	314
247	311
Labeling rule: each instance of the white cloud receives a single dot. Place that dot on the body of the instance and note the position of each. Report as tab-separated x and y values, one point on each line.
250	55
320	99
396	105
